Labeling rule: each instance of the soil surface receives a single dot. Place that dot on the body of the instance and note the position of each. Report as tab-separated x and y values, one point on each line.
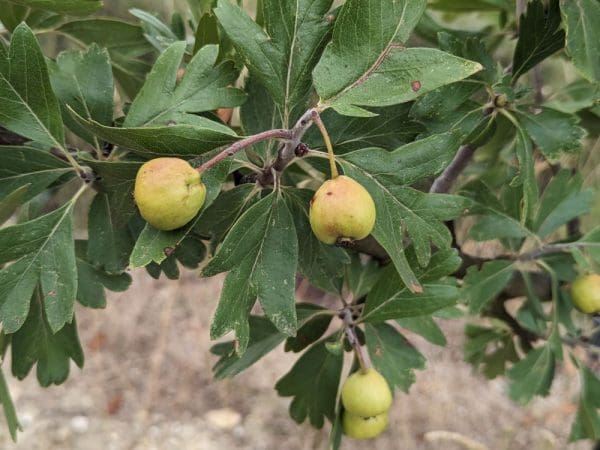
147	384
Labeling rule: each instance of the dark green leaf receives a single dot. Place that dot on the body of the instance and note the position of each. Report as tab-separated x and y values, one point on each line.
36	342
207	31
393	355
313	382
263	338
46	251
72	7
540	35
262	249
125	43
587	420
91	283
532	375
174	140
10	203
30	108
29	166
483	285
389	129
581	18
471	5
361	275
12	421
83	80
404	303
310	331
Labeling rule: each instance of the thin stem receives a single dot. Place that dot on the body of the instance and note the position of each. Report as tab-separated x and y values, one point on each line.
245	143
319	123
353	339
551	248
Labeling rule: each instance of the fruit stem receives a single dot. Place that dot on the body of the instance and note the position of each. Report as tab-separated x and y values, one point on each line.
244	143
319	123
353	339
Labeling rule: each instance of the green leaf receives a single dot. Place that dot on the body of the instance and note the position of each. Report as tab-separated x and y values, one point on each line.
393	355
10	203
125	43
71	7
404	303
490	349
322	264
526	176
37	343
207	31
9	409
540	35
361	276
583	36
283	55
532	375
399	207
313	382
553	131
389	129
29	166
493	226
110	241
349	57
174	140
587	421
482	285
30	108
261	249
425	327
11	15
202	88
45	252
83	80
562	201
389	82
263	338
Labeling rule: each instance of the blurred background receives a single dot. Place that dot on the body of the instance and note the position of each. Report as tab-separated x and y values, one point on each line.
147	381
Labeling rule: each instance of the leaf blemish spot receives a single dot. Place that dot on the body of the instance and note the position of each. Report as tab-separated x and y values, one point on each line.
415	85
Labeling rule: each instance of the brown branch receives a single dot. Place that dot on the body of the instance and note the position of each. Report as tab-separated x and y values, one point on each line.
245	143
443	183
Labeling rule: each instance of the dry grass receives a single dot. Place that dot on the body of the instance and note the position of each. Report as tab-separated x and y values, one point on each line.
147	385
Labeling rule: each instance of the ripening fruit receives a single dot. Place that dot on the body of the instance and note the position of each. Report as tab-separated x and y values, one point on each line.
168	192
341	209
358	427
365	393
585	292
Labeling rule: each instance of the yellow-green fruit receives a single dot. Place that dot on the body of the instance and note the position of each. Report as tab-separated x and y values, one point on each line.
168	192
341	209
359	427
585	292
366	393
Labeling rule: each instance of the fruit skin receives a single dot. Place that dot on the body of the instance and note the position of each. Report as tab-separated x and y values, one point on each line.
585	292
341	209
358	427
366	393
168	192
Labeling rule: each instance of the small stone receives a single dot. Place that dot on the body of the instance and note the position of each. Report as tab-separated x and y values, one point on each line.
224	418
80	424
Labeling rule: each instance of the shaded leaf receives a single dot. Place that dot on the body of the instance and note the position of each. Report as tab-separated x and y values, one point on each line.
482	285
587	421
532	375
313	383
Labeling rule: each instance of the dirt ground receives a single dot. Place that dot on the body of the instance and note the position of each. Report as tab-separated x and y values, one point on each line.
147	384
